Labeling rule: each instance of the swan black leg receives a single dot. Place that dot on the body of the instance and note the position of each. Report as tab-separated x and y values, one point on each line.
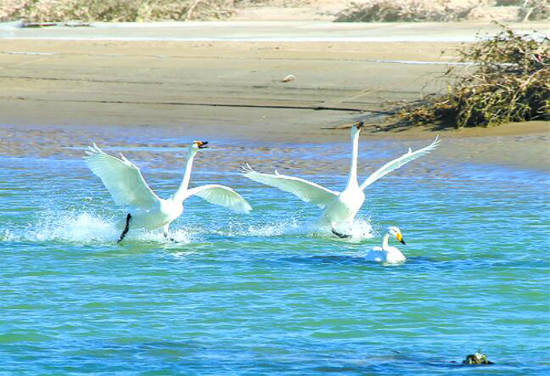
126	228
340	235
165	232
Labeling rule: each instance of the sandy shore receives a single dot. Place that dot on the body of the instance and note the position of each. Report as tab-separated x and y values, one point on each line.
235	90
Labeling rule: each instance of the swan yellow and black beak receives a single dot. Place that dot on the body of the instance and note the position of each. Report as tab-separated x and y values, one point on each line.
359	125
201	144
400	238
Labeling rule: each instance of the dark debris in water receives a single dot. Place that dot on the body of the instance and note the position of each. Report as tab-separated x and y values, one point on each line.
476	359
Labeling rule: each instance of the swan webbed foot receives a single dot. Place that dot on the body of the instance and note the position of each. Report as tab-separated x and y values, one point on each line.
126	228
339	234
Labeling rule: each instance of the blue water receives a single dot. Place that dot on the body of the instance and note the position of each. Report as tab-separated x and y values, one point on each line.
268	293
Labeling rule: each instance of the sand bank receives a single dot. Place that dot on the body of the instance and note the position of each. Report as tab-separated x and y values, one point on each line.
234	89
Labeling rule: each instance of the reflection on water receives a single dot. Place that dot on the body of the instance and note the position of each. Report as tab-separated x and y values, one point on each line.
268	292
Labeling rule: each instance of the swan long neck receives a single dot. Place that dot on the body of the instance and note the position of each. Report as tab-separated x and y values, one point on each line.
385	244
354	153
180	193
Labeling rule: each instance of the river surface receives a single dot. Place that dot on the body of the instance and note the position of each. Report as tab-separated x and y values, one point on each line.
268	293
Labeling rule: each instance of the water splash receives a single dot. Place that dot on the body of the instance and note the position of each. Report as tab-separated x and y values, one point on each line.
84	228
89	227
288	227
181	235
360	230
68	227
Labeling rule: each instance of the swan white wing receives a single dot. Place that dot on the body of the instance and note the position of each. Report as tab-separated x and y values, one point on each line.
398	162
303	189
121	177
221	195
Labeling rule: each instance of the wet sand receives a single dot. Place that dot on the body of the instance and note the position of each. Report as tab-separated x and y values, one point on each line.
234	90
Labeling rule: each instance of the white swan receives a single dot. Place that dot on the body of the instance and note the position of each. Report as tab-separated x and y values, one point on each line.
124	181
339	208
387	253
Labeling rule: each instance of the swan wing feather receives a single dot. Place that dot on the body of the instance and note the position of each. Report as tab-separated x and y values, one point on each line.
303	189
121	177
398	162
221	195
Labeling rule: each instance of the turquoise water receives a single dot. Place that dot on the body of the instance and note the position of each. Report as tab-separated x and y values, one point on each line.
268	293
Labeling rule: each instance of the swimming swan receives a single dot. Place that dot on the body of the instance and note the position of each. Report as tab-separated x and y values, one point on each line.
124	181
387	253
339	208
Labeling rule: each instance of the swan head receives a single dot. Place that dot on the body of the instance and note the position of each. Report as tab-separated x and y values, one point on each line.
356	127
196	145
395	231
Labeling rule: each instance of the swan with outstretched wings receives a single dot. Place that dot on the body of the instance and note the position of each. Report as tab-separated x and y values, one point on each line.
339	208
124	181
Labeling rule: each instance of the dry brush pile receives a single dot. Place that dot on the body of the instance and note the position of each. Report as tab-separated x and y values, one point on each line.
438	10
402	11
508	80
114	10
